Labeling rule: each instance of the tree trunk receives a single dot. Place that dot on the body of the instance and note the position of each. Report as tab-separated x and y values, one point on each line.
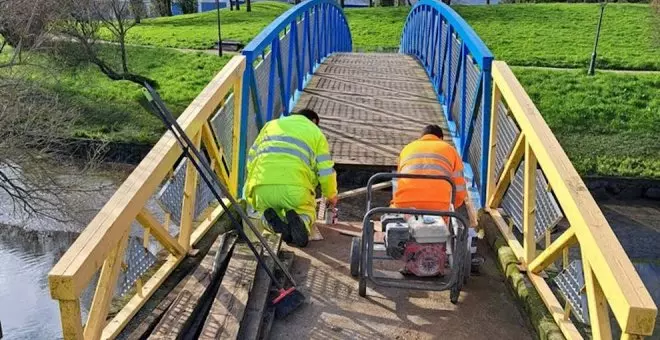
248	5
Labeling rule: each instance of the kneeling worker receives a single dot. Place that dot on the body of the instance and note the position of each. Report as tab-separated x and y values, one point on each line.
431	155
288	160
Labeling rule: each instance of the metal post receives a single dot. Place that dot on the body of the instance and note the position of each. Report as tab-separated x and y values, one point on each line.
592	65
217	10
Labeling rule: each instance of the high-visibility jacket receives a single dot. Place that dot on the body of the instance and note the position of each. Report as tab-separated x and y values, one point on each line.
291	151
429	155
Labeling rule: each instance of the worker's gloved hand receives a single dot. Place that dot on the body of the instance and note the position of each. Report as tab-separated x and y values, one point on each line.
331	202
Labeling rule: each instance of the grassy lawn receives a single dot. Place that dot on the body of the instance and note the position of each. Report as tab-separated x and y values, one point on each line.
199	31
608	124
556	35
110	109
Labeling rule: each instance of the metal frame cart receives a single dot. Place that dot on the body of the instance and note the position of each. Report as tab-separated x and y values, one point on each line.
363	248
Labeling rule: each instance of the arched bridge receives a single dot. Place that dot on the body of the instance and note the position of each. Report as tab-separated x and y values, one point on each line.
521	181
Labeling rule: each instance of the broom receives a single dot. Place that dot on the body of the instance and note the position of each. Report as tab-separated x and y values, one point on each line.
288	299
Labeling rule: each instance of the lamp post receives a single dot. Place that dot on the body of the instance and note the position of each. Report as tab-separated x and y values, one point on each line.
217	11
592	64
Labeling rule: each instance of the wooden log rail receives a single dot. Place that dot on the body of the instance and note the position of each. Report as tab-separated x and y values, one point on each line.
103	242
609	276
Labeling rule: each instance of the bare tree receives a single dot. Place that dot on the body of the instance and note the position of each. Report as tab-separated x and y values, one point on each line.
188	6
138	10
163	7
83	23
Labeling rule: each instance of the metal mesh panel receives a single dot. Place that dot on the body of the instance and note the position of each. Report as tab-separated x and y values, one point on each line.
456	106
455	72
548	213
448	57
137	260
170	197
302	46
571	286
222	125
261	74
507	133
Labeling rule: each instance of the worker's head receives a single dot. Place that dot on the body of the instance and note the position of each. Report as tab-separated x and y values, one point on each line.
435	130
310	114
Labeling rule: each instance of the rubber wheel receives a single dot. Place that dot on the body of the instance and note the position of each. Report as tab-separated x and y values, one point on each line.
362	287
355	256
454	292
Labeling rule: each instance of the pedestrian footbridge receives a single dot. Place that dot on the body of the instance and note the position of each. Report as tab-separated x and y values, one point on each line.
370	105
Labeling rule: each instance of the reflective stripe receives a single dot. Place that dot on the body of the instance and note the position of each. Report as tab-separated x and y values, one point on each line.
326	172
323	158
435	167
460	188
458	174
395	184
428	155
277	149
295	141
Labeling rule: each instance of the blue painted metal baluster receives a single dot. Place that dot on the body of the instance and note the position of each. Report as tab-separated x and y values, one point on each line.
317	40
258	118
278	53
485	126
270	102
468	135
434	46
289	66
429	37
450	44
325	31
463	91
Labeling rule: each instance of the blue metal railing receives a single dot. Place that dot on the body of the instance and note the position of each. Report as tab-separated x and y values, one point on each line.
458	64
282	58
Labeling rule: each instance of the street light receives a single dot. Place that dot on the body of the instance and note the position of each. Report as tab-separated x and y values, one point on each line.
217	11
592	64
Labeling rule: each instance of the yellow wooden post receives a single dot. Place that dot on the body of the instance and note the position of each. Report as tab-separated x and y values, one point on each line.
189	192
236	135
508	172
490	189
598	311
529	204
215	153
551	253
105	290
71	319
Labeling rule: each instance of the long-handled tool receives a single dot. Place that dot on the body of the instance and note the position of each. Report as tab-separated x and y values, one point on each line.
288	299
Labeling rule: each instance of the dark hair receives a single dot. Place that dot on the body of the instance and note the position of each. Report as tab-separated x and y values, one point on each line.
433	130
310	114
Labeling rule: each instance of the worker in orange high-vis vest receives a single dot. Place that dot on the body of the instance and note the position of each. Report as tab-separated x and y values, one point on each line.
431	155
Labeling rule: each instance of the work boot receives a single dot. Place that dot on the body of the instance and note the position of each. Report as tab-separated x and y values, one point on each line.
299	237
277	224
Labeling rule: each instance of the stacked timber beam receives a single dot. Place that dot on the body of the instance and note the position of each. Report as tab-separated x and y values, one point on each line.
225	297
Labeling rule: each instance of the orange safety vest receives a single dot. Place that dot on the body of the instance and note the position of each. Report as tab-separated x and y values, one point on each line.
429	155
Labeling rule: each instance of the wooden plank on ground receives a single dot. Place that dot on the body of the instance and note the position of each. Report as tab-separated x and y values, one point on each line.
224	318
287	258
257	302
181	312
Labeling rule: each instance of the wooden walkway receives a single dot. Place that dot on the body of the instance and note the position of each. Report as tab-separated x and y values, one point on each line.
371	105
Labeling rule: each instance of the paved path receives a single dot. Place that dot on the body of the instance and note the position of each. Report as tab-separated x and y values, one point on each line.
371	105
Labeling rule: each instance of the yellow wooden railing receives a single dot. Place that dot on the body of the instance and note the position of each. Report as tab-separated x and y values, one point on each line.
610	278
103	242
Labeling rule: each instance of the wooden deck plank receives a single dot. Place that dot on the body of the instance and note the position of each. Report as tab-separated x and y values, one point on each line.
229	305
371	105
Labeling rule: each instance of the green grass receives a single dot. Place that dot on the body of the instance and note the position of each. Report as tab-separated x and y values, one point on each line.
110	109
554	35
608	124
200	31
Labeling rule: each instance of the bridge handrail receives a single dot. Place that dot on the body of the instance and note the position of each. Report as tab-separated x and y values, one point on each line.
102	244
449	49
316	29
609	275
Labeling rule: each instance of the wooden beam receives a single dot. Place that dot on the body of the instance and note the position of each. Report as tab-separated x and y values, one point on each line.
189	197
508	235
529	205
599	314
179	316
554	307
105	289
258	299
236	136
71	317
507	172
74	270
628	297
146	219
224	318
550	254
215	152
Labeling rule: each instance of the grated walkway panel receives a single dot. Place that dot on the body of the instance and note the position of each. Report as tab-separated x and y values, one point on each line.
371	105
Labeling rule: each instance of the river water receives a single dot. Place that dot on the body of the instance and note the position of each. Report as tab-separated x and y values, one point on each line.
30	246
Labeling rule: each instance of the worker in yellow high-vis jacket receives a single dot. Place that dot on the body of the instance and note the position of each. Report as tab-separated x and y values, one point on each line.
288	160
